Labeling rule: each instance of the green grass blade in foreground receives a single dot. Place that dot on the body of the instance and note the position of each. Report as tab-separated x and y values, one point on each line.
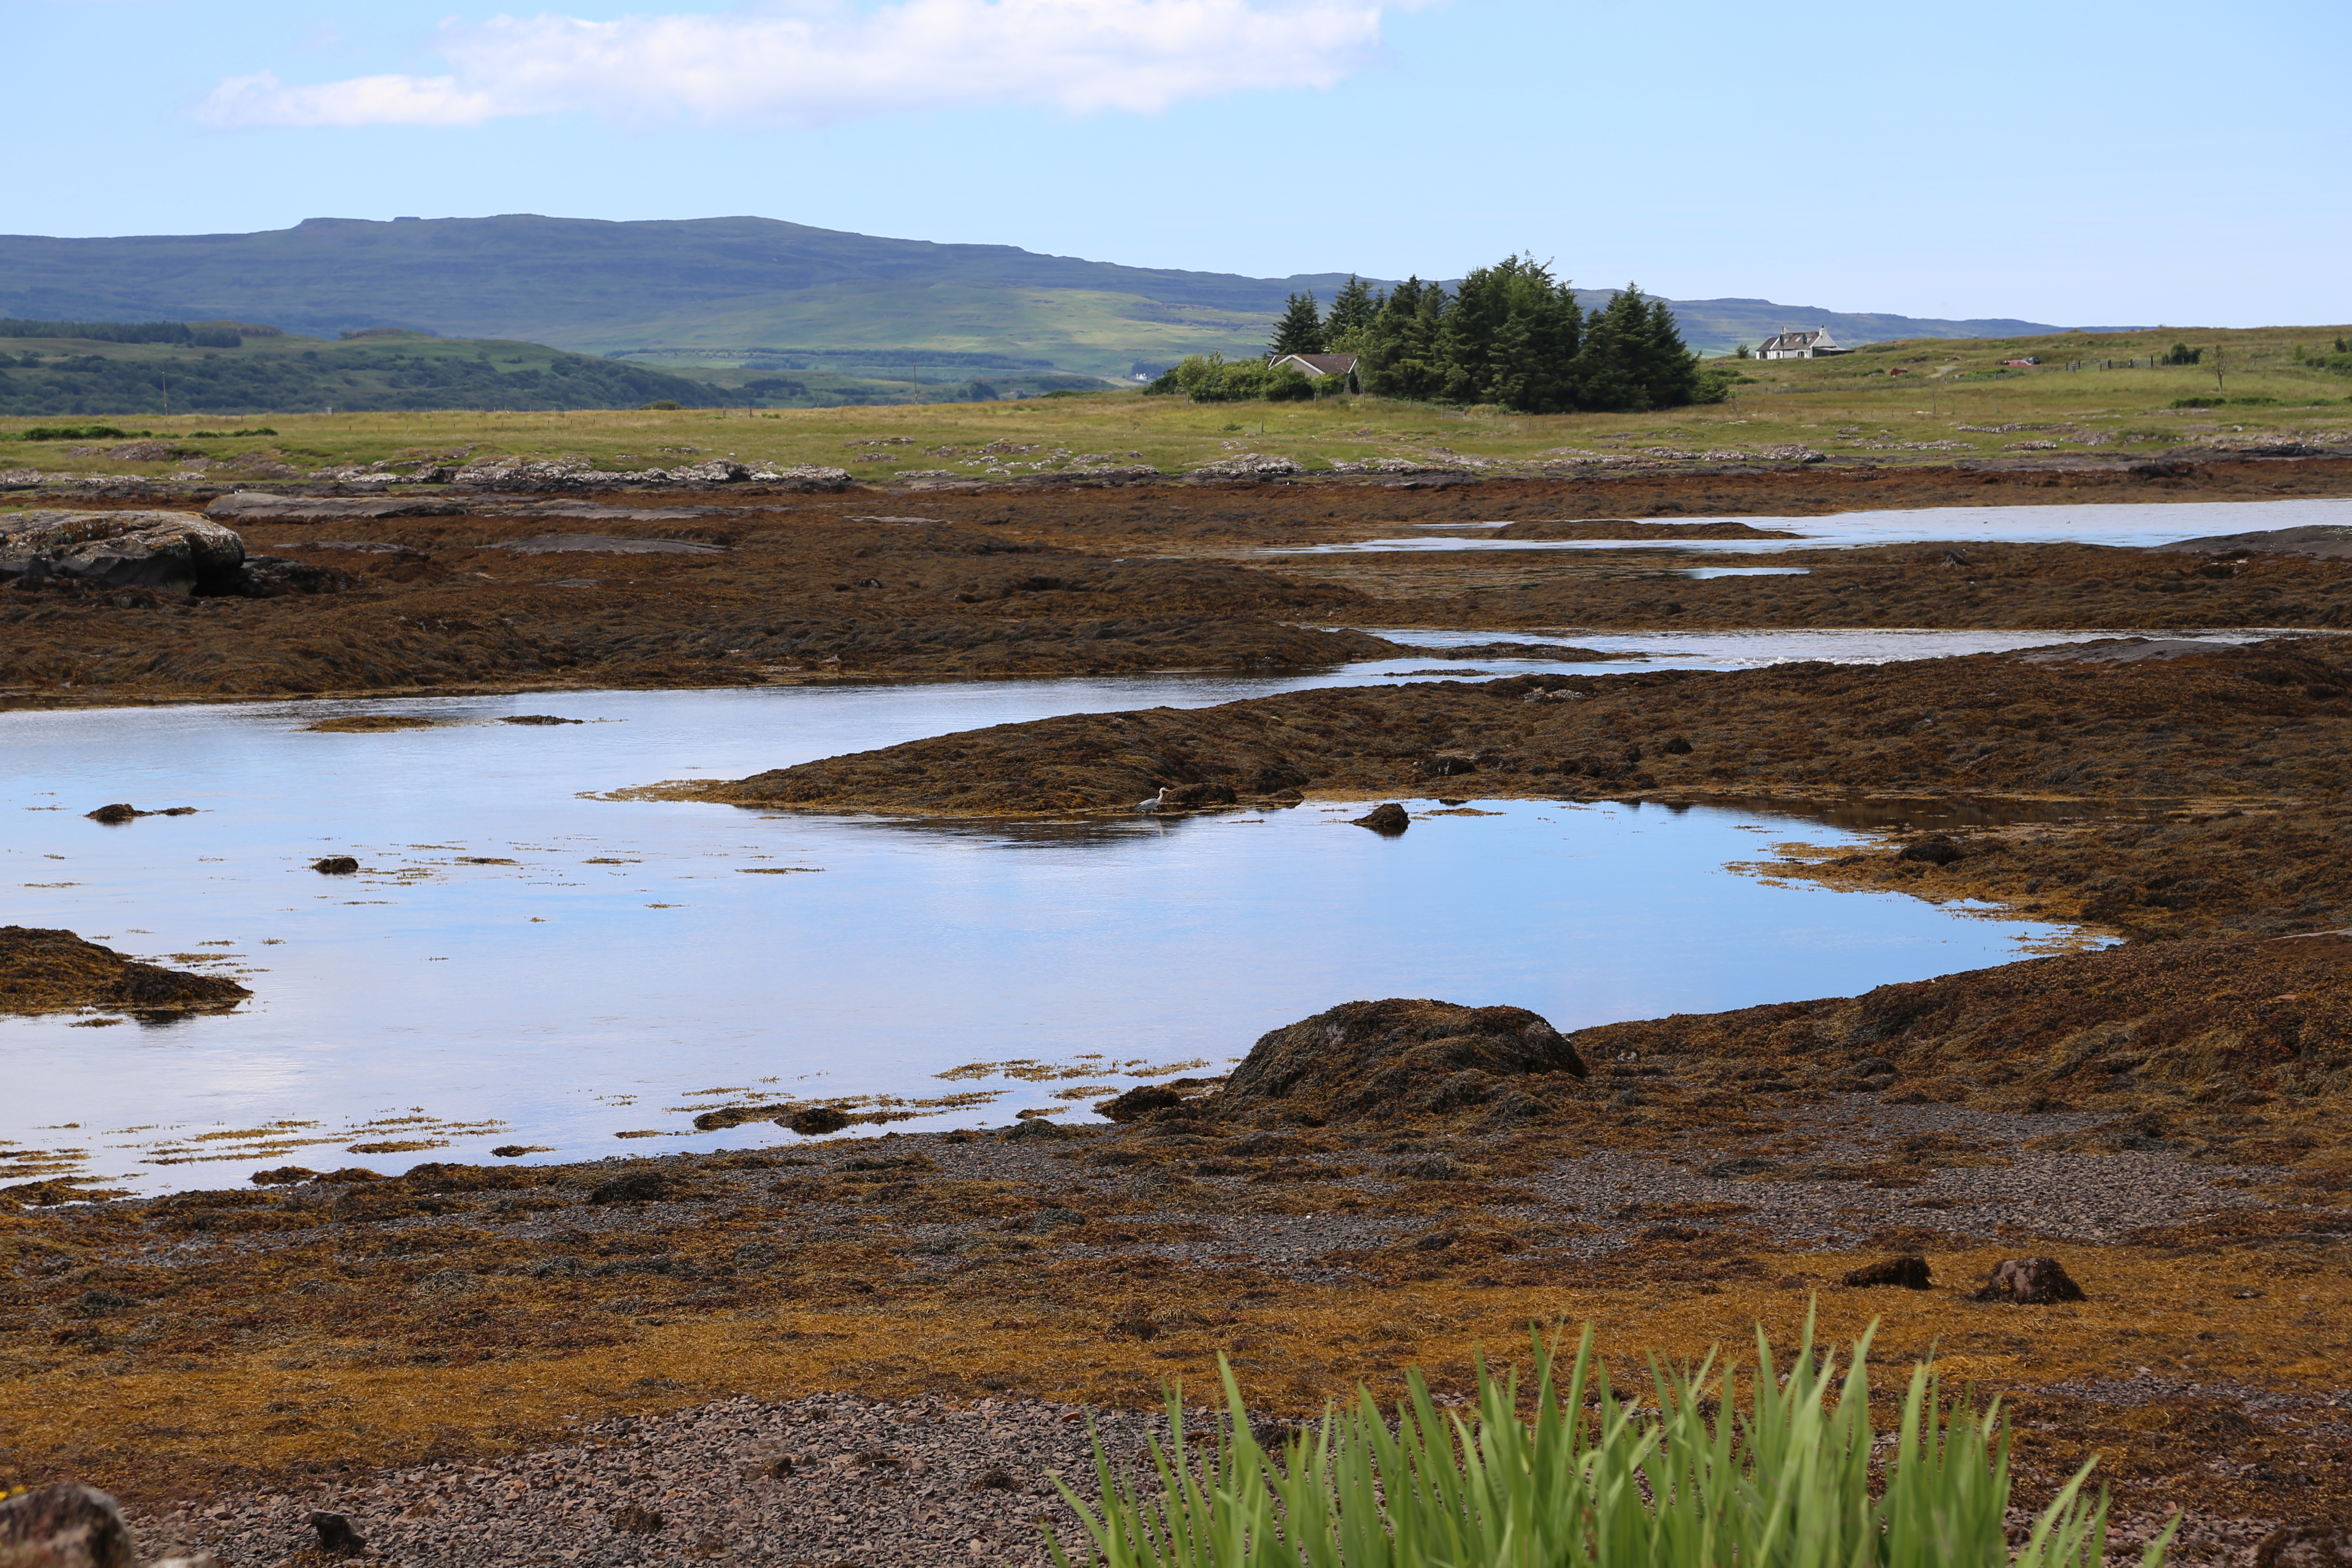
1704	1478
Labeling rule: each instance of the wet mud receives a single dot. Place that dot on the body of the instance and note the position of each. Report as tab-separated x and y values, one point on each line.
734	585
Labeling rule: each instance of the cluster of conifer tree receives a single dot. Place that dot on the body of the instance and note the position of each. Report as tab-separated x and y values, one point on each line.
1508	334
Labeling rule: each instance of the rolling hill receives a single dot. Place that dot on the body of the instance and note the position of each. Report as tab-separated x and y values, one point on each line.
719	290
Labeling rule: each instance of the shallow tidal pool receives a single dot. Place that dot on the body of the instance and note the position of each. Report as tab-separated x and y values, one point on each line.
522	962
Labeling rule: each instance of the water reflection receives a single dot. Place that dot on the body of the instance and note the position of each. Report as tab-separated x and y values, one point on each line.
518	963
2136	523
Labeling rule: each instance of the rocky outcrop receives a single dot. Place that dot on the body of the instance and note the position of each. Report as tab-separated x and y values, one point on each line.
538	476
55	971
1376	1059
1248	465
263	506
119	549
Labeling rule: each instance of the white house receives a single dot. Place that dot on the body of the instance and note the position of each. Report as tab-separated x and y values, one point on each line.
1316	366
1815	344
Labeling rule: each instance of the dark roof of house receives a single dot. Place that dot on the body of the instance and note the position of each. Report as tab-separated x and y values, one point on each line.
1796	340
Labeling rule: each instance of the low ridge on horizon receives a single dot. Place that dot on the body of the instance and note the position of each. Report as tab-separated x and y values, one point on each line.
703	286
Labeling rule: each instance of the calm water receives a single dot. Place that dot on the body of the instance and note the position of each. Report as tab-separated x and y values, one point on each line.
624	970
2124	523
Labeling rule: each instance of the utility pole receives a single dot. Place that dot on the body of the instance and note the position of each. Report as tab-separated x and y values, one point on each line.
2217	369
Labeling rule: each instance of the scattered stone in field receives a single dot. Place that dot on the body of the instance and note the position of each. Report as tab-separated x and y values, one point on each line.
1910	1272
1387	820
336	1536
335	865
2031	1282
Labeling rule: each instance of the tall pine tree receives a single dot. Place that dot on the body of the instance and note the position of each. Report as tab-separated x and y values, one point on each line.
1300	330
1352	310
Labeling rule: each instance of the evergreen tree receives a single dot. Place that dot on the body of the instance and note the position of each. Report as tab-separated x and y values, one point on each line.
1401	353
1300	330
1352	310
1634	359
1512	338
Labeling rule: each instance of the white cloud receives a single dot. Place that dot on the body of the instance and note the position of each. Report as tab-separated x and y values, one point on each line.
823	65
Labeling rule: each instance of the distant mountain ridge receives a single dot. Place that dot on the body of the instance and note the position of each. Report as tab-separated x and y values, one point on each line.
714	284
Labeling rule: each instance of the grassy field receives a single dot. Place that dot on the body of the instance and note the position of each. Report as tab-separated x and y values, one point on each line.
1848	407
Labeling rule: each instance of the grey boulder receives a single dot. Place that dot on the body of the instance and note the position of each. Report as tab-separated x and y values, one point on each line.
119	549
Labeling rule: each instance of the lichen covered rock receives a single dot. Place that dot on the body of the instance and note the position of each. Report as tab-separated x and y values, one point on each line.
119	549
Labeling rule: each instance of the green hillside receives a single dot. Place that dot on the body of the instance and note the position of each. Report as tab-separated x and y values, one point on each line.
712	289
269	372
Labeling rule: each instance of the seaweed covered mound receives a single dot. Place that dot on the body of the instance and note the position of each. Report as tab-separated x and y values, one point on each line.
1370	1058
50	971
2189	1032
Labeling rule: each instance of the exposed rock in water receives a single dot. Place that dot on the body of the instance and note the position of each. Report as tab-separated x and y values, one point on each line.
1375	1059
1388	820
816	1121
2031	1282
1138	1103
53	970
119	549
538	719
336	865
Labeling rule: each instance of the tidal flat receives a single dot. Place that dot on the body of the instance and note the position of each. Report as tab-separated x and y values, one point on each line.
2033	949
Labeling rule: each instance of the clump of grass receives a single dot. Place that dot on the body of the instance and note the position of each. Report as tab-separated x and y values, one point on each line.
1770	1471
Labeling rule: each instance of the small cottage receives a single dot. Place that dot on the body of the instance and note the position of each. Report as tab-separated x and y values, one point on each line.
1316	366
1815	344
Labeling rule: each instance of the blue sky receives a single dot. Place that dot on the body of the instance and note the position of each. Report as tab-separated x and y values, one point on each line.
2086	163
